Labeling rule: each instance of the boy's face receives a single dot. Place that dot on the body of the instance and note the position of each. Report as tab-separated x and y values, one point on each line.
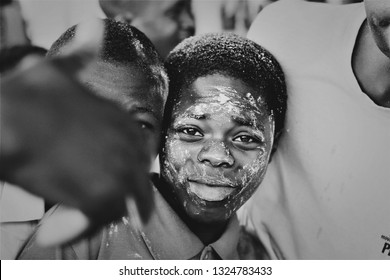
129	88
217	147
378	18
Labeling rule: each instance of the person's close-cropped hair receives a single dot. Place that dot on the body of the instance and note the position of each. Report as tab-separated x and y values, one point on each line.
123	44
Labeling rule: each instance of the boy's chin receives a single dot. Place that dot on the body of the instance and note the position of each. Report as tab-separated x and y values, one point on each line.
209	214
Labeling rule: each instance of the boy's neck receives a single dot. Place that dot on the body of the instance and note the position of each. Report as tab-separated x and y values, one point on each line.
206	232
371	68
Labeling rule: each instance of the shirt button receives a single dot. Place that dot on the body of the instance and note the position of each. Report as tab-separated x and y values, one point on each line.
206	253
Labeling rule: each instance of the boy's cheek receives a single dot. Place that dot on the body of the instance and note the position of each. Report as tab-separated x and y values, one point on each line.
178	153
258	168
178	160
251	176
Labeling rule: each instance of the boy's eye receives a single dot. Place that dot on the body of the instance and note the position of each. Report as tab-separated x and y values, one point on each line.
189	134
191	131
245	139
245	142
145	120
145	125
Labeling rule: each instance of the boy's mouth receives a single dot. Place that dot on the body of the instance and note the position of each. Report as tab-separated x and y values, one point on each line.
211	189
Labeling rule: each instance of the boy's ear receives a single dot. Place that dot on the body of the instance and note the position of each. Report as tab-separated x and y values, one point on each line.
272	153
275	144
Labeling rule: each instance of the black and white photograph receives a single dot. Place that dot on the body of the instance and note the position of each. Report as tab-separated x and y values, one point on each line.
174	130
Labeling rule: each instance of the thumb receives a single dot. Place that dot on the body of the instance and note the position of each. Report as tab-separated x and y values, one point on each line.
64	225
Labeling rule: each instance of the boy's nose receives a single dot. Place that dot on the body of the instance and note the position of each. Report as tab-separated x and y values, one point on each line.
217	154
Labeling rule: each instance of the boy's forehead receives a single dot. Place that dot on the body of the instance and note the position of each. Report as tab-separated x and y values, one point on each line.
221	91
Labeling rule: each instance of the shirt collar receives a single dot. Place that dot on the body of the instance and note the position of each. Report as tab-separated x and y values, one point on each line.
168	237
18	205
226	245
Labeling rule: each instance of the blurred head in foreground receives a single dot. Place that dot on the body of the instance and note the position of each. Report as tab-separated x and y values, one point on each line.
128	72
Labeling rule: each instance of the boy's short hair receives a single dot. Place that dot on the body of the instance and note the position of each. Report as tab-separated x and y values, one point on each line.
123	44
232	55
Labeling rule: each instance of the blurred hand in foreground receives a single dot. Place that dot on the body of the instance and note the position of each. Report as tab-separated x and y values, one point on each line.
63	143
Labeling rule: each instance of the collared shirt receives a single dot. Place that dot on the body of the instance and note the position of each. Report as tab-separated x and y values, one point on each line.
19	214
164	237
18	205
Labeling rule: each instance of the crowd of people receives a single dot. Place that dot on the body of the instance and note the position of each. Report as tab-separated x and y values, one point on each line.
272	146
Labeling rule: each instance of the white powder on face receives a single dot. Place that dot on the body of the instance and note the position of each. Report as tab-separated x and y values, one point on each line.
125	221
251	100
229	93
223	104
222	99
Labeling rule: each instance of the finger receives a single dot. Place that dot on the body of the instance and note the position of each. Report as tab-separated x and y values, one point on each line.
62	226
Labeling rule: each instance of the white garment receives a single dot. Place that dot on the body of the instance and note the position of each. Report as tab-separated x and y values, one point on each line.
19	213
326	194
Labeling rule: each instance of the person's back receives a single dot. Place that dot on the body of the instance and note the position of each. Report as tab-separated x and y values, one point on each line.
325	195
